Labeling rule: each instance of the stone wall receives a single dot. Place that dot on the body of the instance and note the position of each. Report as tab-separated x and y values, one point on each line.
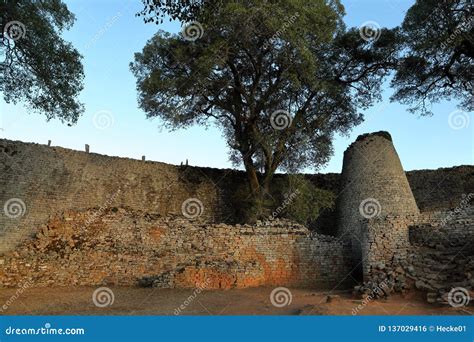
51	180
441	256
126	247
432	252
86	219
43	181
385	242
441	189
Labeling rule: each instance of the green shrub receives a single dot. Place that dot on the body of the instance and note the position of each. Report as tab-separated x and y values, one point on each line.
249	209
300	200
293	197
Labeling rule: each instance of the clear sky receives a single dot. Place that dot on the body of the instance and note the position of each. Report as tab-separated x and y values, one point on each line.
107	33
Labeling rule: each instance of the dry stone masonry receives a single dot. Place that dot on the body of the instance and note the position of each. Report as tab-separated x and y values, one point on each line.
374	187
126	247
76	218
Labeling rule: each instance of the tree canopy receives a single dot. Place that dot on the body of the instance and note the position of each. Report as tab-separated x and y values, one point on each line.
185	10
37	66
280	78
437	55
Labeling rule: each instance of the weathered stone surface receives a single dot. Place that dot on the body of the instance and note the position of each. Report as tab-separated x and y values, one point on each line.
91	219
375	202
51	180
126	247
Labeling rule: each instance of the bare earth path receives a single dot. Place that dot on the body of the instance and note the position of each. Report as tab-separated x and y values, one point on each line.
255	301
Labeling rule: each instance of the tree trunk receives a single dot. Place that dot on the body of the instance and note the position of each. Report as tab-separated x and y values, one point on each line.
252	176
256	209
267	179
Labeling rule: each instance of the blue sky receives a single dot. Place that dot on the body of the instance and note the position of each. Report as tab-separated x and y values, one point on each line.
107	33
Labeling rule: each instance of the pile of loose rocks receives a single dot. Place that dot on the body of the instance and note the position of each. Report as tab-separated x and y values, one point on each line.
385	280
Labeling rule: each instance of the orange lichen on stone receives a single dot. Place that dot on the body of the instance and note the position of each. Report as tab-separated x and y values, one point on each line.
124	247
206	278
276	271
257	279
156	233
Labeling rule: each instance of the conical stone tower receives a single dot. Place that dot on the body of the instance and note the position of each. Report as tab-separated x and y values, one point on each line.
374	192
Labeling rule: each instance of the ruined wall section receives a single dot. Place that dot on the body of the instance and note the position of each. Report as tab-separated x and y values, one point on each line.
125	247
435	255
52	180
442	253
38	181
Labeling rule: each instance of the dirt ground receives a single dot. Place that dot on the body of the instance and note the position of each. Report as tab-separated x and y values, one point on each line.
255	301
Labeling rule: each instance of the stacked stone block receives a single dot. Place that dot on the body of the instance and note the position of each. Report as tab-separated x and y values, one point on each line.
125	247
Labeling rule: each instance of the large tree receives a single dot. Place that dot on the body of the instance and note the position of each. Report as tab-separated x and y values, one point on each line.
156	11
279	77
37	66
438	54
